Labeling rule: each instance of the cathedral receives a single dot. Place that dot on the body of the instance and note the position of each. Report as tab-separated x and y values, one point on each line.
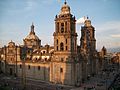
67	62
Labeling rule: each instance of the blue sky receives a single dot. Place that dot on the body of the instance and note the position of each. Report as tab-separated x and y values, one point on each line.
16	17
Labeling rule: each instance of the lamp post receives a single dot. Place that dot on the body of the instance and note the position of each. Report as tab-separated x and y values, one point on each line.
106	73
16	63
119	62
0	64
23	58
5	59
23	74
1	58
106	79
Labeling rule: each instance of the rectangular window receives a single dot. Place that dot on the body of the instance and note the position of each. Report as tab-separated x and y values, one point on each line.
28	66
62	59
57	48
66	47
61	46
20	66
66	41
28	51
61	70
38	67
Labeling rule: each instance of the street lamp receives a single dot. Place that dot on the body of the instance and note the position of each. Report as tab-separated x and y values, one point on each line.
23	58
1	58
0	63
23	74
16	61
5	58
106	73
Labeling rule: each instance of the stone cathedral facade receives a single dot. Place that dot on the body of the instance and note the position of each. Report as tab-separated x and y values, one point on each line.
65	66
66	62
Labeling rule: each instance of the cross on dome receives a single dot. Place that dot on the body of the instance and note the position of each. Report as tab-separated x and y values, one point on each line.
65	9
32	29
65	2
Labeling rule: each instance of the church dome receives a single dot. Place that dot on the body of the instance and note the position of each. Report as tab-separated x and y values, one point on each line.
65	9
32	35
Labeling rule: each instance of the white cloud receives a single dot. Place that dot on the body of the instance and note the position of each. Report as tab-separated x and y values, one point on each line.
116	36
81	20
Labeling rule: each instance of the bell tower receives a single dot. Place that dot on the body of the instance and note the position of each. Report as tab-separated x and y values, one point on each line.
65	48
88	41
65	36
88	48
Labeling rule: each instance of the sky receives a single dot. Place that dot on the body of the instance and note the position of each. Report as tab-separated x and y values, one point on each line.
16	17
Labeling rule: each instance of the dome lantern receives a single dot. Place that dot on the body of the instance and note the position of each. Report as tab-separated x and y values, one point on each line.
65	9
32	29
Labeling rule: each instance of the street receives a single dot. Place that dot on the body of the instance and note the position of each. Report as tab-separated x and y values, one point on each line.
16	84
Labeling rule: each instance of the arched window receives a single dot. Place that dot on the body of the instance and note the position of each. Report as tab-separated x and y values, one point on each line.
57	27
61	70
65	26
43	52
57	48
57	41
66	41
61	46
62	27
45	59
